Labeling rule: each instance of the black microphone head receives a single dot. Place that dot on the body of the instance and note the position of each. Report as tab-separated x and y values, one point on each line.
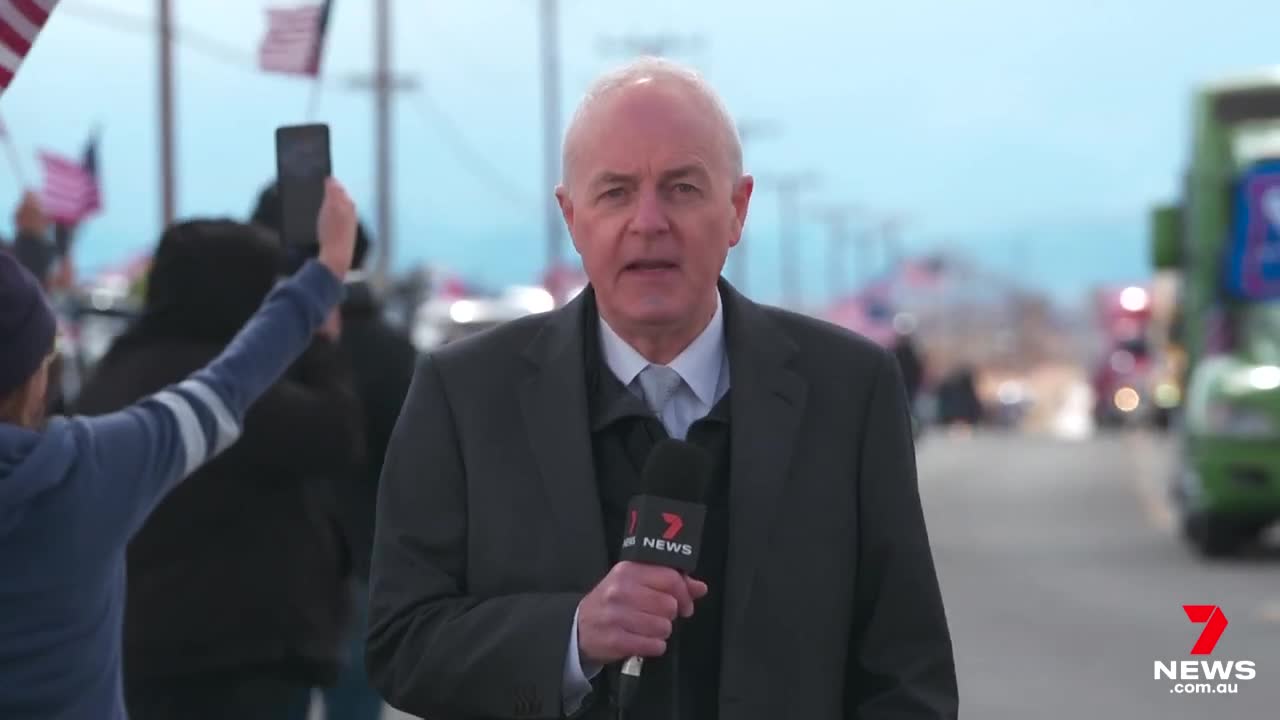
678	470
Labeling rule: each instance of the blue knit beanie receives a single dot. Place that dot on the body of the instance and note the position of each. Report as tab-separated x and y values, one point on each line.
27	325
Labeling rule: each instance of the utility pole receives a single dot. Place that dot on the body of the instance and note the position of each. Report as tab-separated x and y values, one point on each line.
836	218
864	244
788	186
748	131
383	83
550	33
891	236
168	202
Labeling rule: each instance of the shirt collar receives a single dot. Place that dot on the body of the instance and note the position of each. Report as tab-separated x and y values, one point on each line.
698	364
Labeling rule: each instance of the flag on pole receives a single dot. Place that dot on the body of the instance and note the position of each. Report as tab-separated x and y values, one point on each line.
71	192
20	22
294	41
62	231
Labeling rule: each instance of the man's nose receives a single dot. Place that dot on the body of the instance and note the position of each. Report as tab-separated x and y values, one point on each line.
651	215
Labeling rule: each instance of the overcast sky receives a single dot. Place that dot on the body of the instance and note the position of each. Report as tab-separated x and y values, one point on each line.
1051	122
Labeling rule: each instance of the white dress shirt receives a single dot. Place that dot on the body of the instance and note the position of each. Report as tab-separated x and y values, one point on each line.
704	368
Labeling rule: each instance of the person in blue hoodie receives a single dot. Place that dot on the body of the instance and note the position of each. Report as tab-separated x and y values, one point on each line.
73	491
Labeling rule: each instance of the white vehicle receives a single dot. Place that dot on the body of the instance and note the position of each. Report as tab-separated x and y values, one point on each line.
443	320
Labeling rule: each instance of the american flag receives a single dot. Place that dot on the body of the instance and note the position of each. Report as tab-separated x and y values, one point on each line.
294	39
71	191
20	22
869	312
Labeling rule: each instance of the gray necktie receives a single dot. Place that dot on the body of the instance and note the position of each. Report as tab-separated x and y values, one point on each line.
659	382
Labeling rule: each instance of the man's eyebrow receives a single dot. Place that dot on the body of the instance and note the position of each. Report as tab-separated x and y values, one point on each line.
609	177
684	171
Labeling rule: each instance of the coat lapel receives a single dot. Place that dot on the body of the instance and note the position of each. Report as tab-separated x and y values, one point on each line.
765	413
554	403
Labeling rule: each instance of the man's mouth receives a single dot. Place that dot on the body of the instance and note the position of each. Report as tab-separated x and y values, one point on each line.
651	265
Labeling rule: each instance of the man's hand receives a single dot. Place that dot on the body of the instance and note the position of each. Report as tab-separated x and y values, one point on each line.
336	228
30	217
630	613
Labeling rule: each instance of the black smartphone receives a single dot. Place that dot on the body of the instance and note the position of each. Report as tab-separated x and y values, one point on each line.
302	164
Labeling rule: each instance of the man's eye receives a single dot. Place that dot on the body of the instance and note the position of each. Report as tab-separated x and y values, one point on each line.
613	193
685	188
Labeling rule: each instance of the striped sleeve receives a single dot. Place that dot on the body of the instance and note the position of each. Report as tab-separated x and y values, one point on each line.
205	426
141	452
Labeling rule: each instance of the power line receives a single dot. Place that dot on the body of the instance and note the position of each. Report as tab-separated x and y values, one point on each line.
207	45
434	116
431	113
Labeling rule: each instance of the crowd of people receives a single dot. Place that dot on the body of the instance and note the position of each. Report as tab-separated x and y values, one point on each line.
247	584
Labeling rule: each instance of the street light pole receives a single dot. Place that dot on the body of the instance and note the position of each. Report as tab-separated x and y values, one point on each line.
748	132
836	218
549	18
788	186
382	103
384	83
167	176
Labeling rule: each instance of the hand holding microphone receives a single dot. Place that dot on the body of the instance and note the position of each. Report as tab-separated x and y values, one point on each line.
631	613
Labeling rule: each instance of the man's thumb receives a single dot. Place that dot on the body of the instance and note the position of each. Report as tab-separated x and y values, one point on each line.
697	588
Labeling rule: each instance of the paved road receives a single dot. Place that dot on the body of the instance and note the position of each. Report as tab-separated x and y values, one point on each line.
1064	581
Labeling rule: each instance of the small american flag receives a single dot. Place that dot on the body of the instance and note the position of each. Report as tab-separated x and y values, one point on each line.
294	40
71	191
20	22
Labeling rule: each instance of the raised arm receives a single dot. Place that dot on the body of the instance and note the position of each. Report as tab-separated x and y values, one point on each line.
140	453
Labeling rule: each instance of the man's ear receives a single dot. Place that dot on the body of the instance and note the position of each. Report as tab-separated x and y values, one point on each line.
566	210
741	199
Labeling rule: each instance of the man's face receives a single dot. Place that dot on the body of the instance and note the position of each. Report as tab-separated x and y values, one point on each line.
650	204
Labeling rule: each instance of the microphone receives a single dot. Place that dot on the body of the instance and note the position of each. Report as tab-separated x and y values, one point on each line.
664	525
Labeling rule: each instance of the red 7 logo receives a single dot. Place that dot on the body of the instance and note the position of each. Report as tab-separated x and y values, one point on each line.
1215	622
674	523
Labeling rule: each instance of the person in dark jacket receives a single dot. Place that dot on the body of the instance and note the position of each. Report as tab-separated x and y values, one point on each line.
382	361
74	491
237	584
33	247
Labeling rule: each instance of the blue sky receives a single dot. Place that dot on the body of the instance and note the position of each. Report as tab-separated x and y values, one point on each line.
1032	134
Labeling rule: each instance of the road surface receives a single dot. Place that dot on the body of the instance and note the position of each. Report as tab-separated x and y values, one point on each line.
1064	582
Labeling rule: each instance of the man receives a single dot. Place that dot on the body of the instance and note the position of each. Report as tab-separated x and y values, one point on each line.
495	587
36	251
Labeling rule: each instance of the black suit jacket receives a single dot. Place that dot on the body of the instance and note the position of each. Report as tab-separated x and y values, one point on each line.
489	529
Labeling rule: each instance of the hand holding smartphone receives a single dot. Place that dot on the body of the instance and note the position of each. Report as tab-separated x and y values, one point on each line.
302	165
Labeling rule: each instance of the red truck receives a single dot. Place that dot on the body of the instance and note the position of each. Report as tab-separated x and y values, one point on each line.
1122	375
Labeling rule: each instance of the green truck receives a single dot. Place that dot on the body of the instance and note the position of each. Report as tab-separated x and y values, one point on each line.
1222	239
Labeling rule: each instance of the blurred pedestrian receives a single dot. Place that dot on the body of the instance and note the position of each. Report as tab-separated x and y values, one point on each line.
37	252
382	360
910	364
237	582
74	491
